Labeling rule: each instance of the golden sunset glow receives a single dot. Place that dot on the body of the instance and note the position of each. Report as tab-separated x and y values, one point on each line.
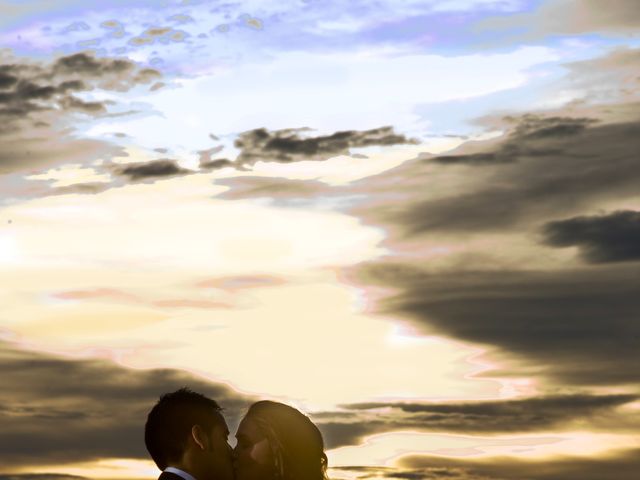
416	222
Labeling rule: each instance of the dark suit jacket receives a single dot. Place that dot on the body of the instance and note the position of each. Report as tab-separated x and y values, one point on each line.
169	476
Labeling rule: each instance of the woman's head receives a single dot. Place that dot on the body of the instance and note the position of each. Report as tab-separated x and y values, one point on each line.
276	441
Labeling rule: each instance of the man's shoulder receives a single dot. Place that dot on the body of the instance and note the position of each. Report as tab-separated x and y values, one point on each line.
169	476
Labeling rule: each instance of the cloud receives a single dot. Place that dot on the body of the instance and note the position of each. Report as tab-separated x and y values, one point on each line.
154	169
473	159
547	165
614	237
428	473
535	127
207	163
620	464
575	325
39	101
94	408
83	188
539	413
274	189
611	77
118	74
163	35
241	282
40	476
528	414
217	163
567	17
515	147
288	146
340	433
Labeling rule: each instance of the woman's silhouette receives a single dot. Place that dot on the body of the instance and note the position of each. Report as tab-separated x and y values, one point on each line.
278	442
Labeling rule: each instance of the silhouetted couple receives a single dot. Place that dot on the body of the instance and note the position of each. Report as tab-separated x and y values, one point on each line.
187	437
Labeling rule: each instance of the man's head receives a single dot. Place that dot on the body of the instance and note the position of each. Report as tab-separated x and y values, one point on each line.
186	430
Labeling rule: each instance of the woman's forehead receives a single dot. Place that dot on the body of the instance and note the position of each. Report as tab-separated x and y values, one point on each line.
249	428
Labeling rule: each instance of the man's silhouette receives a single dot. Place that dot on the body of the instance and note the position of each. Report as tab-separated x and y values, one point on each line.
186	436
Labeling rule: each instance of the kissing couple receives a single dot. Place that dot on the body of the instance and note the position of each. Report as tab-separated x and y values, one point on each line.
187	438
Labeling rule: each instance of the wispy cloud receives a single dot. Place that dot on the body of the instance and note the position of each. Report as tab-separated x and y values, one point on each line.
39	101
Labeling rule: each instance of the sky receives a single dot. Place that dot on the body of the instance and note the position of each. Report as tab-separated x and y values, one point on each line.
418	222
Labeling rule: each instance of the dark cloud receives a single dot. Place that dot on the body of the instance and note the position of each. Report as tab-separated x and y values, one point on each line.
577	325
516	147
6	79
215	164
534	127
40	476
622	464
110	73
529	414
288	146
94	408
534	414
449	473
473	158
85	64
544	167
339	434
605	238
39	102
154	169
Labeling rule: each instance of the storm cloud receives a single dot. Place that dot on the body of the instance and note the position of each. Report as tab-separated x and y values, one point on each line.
528	414
621	464
577	325
154	169
57	410
38	102
288	146
540	413
602	238
544	167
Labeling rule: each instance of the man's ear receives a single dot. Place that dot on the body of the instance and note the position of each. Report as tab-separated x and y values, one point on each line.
199	436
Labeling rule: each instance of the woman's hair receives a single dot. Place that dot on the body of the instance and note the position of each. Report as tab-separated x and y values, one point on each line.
295	441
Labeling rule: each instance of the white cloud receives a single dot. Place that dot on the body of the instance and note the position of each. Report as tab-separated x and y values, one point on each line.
329	92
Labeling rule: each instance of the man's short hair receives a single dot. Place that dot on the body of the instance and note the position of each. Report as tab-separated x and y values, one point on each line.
170	421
